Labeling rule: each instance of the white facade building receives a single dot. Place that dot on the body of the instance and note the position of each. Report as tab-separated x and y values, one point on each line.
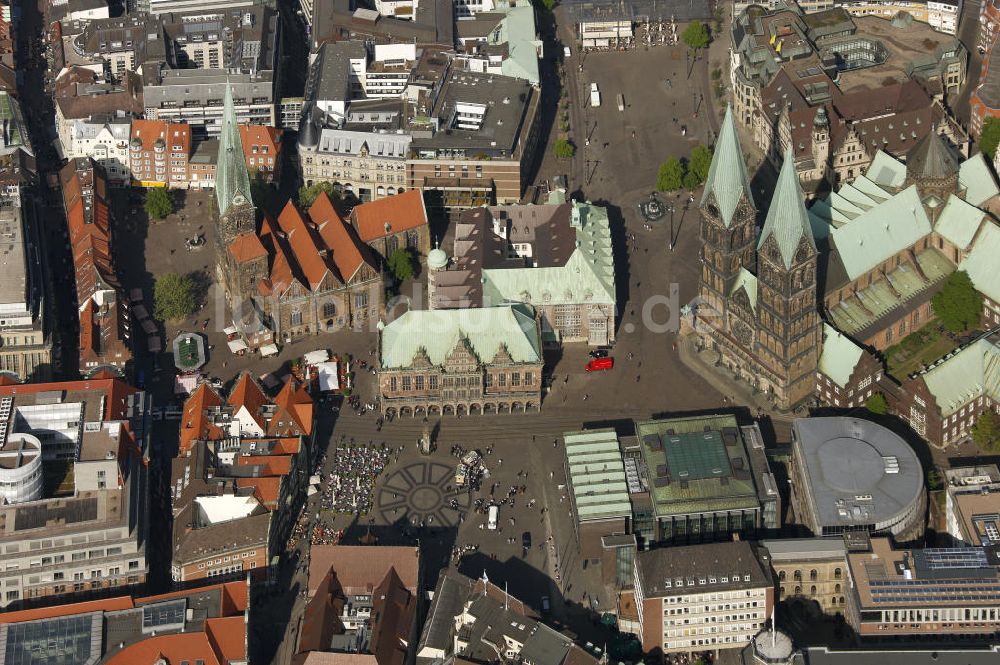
106	141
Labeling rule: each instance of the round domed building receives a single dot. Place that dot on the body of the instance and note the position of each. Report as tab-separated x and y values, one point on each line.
850	474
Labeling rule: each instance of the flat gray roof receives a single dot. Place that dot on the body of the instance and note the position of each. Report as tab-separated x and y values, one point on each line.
857	471
805	548
14	285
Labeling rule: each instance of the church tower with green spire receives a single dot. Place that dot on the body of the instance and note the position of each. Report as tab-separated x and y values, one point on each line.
790	335
728	220
232	180
758	297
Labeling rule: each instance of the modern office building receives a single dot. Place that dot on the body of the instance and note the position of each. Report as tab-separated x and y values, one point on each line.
850	474
74	487
972	505
932	594
707	478
702	597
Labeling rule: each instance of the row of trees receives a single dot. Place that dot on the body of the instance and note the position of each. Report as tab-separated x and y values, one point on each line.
682	173
985	431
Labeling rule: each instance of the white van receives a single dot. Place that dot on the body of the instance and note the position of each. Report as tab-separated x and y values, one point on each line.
566	52
491	518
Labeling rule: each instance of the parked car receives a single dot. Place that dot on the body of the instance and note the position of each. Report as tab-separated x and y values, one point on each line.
599	353
526	540
600	364
491	518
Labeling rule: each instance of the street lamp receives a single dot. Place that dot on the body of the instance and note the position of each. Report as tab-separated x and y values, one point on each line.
670	209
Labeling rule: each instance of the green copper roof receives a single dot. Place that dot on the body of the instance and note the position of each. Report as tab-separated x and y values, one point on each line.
588	276
881	232
966	374
232	181
597	475
839	357
517	31
787	219
727	177
697	464
959	221
975	176
748	281
439	331
981	263
886	170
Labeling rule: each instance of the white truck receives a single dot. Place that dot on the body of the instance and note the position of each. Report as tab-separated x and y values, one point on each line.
595	95
621	102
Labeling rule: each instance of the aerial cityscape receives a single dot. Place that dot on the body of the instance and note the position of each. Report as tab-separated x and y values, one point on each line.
500	332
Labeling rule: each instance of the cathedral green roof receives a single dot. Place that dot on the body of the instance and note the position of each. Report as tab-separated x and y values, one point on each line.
787	220
886	170
232	180
728	179
966	374
839	357
981	263
975	176
439	331
746	280
881	232
959	221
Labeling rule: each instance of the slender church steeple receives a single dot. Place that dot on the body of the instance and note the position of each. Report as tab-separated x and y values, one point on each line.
232	180
787	220
728	181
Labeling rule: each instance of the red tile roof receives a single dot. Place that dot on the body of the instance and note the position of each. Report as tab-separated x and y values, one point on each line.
246	247
70	609
363	567
294	403
248	394
305	246
401	212
195	424
174	648
348	251
228	636
271	465
266	490
267	140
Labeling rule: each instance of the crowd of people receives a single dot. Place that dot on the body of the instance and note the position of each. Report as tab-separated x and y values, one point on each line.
350	485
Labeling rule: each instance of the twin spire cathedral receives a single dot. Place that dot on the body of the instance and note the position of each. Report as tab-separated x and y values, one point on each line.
758	293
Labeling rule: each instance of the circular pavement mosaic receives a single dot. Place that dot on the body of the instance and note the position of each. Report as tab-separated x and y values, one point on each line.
422	492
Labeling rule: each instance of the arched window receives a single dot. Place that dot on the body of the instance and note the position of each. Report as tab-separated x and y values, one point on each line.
837	574
296	317
812	575
781	576
798	576
836	588
812	590
329	310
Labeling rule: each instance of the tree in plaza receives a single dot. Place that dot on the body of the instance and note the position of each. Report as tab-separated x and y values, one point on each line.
990	137
158	203
877	404
670	177
690	180
402	264
695	36
986	431
307	194
958	304
564	149
700	162
173	297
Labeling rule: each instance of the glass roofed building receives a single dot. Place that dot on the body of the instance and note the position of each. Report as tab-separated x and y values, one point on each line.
598	490
707	478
